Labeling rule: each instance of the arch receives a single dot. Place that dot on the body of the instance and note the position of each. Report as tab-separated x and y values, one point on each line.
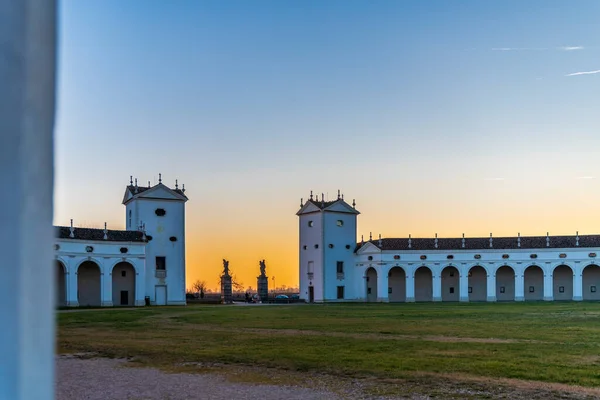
562	283
371	279
88	283
397	285
477	283
423	284
505	283
61	284
450	284
533	278
123	284
591	282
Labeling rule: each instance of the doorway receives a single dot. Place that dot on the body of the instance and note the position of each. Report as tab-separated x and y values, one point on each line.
124	297
311	294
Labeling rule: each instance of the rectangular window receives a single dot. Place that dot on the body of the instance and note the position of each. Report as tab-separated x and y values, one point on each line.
161	263
451	290
389	290
470	289
368	290
593	289
531	289
502	289
561	289
311	267
123	273
340	267
340	292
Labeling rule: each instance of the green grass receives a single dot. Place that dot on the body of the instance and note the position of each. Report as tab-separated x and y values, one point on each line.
550	342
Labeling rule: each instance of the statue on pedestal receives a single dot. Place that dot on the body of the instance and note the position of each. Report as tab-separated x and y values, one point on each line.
225	267
262	267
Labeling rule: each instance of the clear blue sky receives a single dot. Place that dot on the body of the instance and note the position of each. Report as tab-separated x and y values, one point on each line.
455	114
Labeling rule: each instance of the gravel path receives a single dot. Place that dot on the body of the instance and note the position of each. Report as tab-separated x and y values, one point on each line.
107	379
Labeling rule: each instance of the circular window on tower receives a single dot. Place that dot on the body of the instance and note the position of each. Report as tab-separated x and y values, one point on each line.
123	250
160	212
340	222
173	239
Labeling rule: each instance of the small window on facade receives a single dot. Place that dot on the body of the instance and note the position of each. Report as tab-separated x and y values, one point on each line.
161	262
330	246
389	290
450	257
173	239
348	247
531	289
89	249
368	290
56	247
452	273
310	224
561	289
533	256
396	257
304	247
311	267
123	250
505	256
340	267
477	256
451	290
470	289
370	258
339	222
340	292
123	273
316	246
502	289
160	212
593	289
423	257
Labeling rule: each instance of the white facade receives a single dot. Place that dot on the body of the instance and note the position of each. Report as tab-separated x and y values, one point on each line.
100	267
458	269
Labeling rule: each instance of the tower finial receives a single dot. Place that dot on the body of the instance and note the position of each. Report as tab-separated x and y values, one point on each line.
72	230
519	240
148	184
342	196
463	241
409	241
159	177
301	205
436	241
380	240
547	239
577	239
370	236
131	180
353	203
362	239
338	194
311	195
183	188
491	245
106	231
136	187
176	185
323	200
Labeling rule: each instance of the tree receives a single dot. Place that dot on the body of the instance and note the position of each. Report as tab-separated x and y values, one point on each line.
199	287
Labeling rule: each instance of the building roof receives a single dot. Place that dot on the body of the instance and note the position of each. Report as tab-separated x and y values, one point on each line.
64	232
498	243
140	189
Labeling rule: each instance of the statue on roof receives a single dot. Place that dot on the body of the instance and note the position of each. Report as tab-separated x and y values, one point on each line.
225	267
262	267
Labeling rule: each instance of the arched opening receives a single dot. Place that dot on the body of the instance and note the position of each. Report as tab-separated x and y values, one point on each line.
534	283
123	284
423	284
61	284
477	284
397	285
371	284
562	283
88	284
505	284
450	284
591	282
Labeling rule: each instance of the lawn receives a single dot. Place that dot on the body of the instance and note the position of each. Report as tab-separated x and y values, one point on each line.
547	342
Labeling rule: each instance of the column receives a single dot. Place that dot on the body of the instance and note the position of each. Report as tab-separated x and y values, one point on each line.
464	286
410	286
72	298
106	283
27	96
140	279
491	287
548	287
382	285
437	286
577	285
519	286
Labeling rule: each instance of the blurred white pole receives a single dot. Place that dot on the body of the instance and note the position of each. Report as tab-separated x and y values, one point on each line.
27	97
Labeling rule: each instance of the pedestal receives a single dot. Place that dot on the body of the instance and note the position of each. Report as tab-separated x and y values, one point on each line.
262	284
226	296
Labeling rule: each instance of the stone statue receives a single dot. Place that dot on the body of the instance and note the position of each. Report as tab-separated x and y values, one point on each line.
225	267
262	267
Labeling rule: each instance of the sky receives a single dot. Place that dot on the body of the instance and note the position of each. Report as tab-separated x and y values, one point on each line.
444	117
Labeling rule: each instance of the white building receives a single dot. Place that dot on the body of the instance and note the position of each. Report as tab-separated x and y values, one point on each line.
335	266
101	267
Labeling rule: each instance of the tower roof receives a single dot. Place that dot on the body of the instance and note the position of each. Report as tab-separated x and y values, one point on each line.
338	205
158	191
